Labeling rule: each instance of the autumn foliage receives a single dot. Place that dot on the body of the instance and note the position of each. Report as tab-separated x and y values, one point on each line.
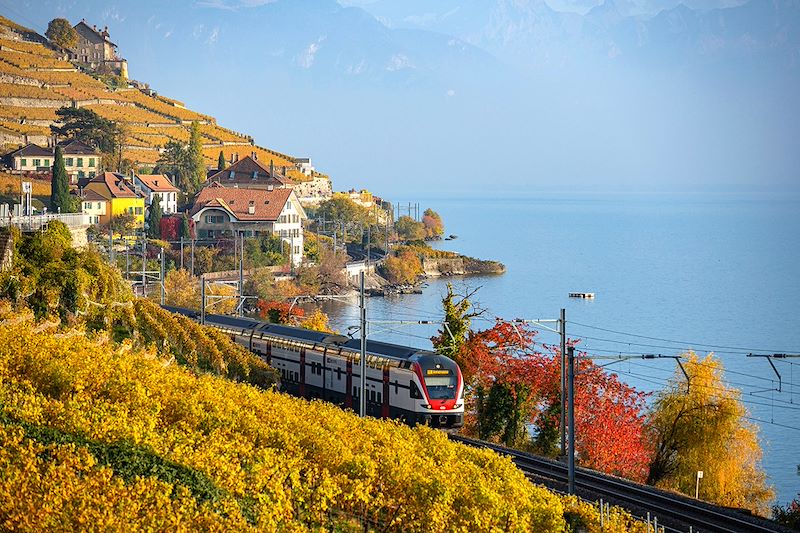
93	432
402	268
280	312
434	227
702	425
504	369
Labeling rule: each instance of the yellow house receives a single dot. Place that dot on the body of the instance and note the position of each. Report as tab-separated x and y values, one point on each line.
120	199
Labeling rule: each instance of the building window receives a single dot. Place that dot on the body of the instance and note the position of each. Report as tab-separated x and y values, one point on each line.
296	250
87	205
91	161
37	162
80	161
139	210
91	173
98	205
23	162
47	163
68	161
81	174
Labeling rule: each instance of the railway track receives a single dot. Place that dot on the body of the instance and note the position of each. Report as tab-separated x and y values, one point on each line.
676	512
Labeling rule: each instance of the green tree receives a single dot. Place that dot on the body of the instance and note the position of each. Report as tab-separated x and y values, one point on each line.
197	165
458	315
154	217
343	212
60	199
409	229
61	32
176	162
184	229
788	516
703	425
89	127
221	161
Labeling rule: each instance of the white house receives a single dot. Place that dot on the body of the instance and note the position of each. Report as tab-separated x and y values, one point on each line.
304	165
226	211
32	158
159	184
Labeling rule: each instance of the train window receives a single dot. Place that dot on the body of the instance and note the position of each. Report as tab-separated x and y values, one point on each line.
396	387
379	398
415	393
372	395
339	374
355	391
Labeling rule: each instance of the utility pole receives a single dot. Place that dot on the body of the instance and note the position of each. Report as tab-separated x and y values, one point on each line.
362	399
202	299
241	278
144	266
181	252
562	330
163	290
291	252
110	244
127	261
192	259
369	238
571	451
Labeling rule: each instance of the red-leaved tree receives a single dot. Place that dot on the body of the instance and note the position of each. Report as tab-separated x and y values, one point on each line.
279	312
512	387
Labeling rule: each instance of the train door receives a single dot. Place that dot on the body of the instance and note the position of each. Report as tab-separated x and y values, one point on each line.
385	402
348	396
327	375
302	372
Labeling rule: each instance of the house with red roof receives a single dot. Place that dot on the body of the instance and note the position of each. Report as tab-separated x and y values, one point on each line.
250	173
221	211
119	198
158	184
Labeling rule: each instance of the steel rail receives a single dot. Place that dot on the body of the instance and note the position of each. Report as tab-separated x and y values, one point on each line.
703	517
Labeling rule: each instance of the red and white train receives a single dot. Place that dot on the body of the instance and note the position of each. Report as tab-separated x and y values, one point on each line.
416	386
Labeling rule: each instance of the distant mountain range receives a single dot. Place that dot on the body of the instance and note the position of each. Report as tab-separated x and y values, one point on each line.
532	34
463	94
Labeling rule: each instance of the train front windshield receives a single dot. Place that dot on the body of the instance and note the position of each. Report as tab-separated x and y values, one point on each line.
441	387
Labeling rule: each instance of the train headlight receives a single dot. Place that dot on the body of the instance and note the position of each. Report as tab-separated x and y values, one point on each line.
427	406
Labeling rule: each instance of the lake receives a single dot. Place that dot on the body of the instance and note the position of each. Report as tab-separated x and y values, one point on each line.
709	272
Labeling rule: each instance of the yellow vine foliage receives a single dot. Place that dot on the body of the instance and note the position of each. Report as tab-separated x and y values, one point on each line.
228	456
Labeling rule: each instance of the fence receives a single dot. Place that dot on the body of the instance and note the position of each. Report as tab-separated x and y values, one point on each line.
38	222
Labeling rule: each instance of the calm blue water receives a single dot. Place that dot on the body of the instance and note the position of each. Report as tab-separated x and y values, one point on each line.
714	272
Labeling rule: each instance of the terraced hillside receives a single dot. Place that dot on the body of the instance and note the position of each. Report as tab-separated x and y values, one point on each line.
36	80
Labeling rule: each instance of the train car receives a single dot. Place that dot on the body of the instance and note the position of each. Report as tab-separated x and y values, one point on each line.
416	386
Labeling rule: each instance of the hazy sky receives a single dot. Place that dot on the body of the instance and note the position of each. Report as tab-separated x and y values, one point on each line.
481	96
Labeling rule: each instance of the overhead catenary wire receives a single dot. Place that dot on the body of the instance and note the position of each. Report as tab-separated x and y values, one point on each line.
684	343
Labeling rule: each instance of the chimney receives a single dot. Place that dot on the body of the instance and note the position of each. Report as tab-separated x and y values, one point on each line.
284	170
270	187
254	155
271	168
